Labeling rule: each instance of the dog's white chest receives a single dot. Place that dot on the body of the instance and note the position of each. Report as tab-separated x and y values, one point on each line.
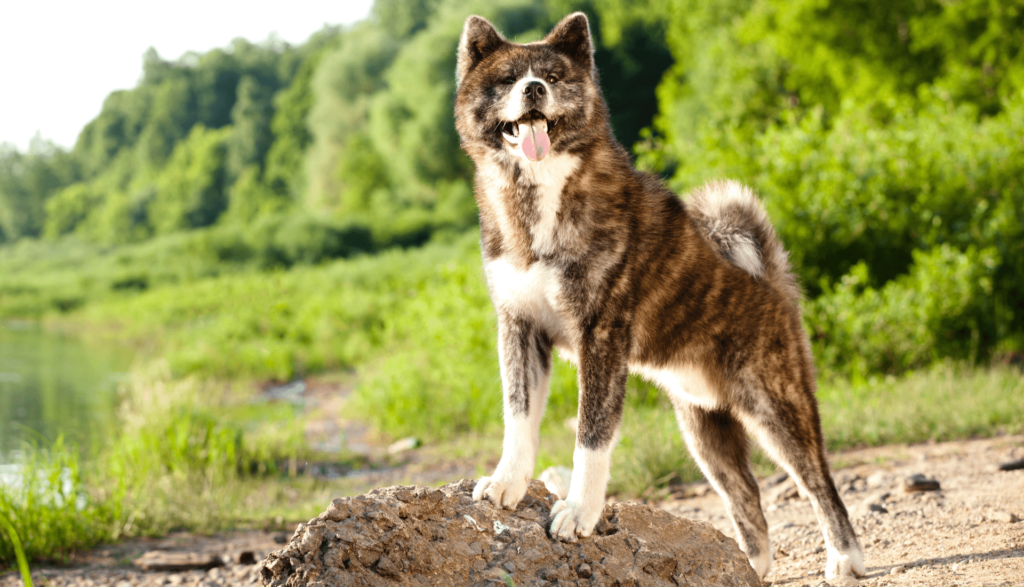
534	293
548	177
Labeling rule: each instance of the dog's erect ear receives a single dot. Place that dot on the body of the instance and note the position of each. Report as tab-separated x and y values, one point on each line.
571	37
479	39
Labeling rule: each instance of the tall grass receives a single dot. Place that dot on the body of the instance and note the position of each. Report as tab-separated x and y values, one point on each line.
44	497
19	552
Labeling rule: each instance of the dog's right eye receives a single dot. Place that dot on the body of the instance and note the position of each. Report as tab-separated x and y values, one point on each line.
508	81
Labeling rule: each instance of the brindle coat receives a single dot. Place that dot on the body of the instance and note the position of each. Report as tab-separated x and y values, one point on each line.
587	255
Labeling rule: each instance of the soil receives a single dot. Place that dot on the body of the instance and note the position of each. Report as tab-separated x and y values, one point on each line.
963	534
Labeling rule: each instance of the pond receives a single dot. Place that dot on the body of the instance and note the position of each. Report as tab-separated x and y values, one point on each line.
53	385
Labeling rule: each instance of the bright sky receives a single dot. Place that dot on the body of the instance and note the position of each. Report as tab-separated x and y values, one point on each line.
60	59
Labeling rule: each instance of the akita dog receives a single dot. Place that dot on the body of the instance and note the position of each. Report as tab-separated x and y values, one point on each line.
587	255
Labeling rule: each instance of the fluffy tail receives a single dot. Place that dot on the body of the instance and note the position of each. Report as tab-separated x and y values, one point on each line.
734	222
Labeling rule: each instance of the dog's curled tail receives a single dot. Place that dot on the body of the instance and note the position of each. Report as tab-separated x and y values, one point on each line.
733	220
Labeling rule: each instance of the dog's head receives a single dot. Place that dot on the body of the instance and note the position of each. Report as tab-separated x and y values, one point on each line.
528	100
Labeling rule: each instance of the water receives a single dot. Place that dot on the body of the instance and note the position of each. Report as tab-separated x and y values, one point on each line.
53	385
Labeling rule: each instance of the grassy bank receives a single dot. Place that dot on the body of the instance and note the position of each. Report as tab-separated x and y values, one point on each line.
189	454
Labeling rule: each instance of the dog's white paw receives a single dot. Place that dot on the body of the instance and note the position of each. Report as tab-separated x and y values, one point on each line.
504	491
762	563
845	565
570	519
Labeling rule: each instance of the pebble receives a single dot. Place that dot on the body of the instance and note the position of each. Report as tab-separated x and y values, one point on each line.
899	569
1012	465
1002	516
919	482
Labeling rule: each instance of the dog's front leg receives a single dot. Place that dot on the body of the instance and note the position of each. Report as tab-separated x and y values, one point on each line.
524	351
602	379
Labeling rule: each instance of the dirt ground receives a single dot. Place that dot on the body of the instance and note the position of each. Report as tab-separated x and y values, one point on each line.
964	534
956	536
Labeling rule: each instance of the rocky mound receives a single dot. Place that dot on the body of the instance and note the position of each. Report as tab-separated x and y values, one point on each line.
425	536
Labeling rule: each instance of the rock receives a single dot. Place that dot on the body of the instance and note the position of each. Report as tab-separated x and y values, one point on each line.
877	507
556	480
919	482
897	570
247	557
784	491
403	445
426	536
773	480
877	479
161	560
1001	516
1012	465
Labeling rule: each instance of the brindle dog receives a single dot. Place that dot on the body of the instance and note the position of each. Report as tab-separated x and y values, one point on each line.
585	254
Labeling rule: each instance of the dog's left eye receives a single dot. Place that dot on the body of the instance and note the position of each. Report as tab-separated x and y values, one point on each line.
508	81
552	78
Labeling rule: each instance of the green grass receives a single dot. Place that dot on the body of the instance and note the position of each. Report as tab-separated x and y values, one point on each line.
19	552
45	500
947	401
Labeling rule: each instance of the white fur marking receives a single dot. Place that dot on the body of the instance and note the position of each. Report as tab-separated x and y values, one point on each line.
580	511
533	293
515	109
746	257
715	198
762	563
549	176
686	383
844	564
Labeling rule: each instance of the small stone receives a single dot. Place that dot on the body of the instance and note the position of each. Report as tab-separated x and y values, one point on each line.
158	560
877	507
404	445
1012	465
583	571
510	566
899	569
877	479
1001	516
556	480
247	557
918	482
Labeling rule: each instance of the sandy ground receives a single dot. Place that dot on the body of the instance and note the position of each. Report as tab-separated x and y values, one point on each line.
959	535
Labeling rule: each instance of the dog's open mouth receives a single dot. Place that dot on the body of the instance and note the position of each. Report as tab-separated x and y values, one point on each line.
530	133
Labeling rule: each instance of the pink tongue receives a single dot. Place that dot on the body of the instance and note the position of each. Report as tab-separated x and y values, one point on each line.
535	141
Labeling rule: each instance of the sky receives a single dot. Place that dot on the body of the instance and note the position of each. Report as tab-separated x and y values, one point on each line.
60	59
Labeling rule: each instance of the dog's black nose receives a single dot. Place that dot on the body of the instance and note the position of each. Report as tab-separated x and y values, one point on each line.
534	90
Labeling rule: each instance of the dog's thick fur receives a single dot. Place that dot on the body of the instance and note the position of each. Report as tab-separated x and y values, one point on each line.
587	255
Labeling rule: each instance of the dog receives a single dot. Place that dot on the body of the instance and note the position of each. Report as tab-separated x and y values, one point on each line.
587	255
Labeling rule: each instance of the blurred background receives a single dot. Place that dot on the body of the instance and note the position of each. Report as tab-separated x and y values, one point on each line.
257	266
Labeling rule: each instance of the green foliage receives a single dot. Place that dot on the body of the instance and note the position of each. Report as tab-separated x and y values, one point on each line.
27	181
883	139
190	191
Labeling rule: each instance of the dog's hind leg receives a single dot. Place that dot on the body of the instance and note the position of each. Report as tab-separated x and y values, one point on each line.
525	358
720	446
785	420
